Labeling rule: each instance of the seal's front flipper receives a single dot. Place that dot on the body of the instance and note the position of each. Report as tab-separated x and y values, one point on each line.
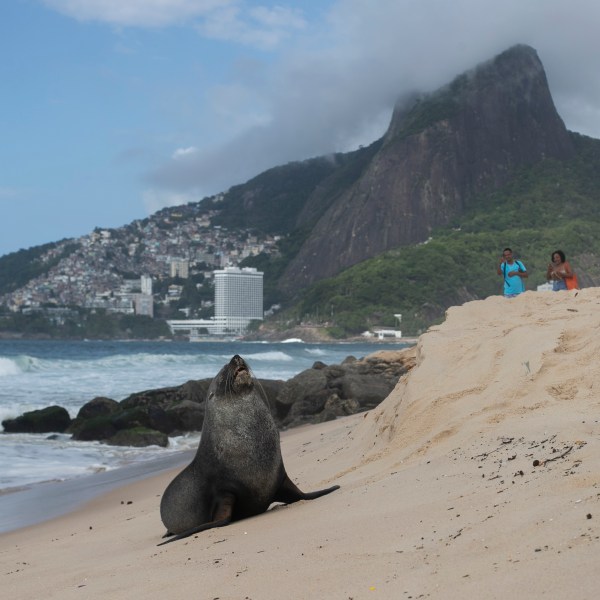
221	517
289	492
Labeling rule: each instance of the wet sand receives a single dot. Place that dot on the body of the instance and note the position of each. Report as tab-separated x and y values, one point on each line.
40	502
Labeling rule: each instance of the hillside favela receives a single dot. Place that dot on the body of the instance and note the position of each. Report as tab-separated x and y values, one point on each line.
92	271
176	254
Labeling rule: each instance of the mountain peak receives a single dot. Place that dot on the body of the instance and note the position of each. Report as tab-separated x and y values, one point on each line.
517	71
439	152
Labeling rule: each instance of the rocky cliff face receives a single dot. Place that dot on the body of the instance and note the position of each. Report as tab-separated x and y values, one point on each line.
437	154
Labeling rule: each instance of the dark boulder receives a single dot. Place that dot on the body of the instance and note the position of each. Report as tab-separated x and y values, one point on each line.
46	420
325	392
368	389
97	429
131	418
168	410
159	419
193	391
341	407
98	407
271	389
139	437
306	406
186	416
171	410
298	389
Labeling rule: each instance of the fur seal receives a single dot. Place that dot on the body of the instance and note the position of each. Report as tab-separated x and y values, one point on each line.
238	470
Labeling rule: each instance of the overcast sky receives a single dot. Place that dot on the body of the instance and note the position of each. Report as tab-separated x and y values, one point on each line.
112	109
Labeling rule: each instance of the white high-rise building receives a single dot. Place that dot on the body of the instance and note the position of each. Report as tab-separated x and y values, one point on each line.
146	284
238	297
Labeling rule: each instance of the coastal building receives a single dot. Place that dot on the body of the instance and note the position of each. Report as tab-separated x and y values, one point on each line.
197	328
238	297
238	302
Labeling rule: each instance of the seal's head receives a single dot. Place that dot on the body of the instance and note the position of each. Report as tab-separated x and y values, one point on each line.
234	378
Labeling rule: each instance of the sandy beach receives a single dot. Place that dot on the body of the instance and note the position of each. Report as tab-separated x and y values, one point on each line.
478	477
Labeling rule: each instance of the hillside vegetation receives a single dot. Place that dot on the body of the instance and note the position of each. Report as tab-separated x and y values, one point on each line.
275	201
17	268
551	205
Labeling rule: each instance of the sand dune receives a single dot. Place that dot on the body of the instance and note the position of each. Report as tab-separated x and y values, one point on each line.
478	477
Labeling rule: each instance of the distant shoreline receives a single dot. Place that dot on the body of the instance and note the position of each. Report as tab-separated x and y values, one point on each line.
353	340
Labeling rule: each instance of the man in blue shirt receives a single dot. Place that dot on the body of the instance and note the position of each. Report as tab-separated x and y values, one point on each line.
513	272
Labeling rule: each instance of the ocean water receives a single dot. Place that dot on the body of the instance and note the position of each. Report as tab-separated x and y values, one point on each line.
36	374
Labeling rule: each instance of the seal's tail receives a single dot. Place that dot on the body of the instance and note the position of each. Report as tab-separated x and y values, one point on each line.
289	492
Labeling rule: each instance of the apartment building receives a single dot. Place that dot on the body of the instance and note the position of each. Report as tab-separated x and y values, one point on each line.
238	297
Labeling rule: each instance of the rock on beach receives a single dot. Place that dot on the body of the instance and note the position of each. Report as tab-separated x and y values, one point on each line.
321	393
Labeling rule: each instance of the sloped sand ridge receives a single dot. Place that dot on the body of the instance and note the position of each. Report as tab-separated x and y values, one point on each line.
490	362
479	477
